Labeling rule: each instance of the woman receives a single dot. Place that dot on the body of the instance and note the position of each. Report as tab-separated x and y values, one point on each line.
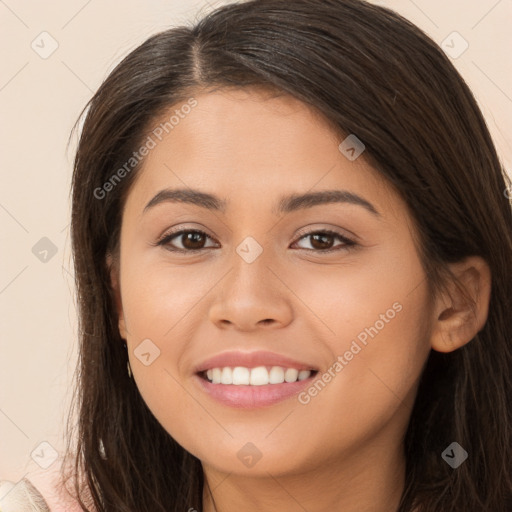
293	253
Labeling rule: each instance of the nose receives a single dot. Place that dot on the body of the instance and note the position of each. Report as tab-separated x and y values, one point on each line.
252	296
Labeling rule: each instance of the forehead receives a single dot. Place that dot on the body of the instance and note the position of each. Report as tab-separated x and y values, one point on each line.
246	119
250	144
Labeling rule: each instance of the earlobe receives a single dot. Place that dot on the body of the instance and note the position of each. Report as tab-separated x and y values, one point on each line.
461	312
116	290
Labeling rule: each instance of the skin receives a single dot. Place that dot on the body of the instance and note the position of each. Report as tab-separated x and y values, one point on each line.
343	449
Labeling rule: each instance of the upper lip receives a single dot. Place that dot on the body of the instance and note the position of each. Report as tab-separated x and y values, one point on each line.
251	360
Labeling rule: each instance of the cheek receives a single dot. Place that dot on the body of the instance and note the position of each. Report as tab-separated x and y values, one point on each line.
383	347
374	324
158	297
158	305
377	301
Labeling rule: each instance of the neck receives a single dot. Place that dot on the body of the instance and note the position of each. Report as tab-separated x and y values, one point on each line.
369	480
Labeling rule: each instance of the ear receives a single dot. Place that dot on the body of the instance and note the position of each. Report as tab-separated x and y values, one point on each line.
116	289
459	314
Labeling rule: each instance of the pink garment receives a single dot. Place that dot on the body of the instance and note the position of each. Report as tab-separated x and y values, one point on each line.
48	485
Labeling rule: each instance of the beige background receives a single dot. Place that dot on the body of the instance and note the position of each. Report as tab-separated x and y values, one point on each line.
39	101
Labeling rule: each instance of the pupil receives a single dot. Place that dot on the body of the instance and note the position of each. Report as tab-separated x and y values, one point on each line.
324	245
189	238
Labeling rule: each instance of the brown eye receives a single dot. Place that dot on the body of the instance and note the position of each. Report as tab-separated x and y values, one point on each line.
322	241
193	240
190	239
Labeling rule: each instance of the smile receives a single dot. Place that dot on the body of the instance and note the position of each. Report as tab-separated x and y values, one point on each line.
265	387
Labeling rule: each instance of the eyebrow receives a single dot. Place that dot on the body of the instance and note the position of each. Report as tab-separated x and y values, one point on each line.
286	204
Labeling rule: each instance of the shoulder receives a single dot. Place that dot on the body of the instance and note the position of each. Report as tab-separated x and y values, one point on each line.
40	490
21	496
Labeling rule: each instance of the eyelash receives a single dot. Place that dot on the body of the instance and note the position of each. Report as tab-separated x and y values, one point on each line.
348	243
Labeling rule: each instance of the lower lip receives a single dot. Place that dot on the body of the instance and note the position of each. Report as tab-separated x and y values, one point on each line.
251	397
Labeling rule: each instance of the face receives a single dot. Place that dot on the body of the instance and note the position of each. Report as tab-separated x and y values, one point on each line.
333	287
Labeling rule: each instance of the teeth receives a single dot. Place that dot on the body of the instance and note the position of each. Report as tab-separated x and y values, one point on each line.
276	375
290	375
304	374
259	376
241	376
216	375
227	376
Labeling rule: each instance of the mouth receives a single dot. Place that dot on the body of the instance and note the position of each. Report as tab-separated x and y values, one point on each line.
252	388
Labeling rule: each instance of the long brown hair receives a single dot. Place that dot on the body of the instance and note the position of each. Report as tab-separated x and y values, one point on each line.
369	72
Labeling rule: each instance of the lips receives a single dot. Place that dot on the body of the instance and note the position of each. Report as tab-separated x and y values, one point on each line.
257	394
252	360
251	397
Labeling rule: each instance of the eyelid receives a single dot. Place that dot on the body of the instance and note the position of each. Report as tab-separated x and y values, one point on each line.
180	231
335	231
348	243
